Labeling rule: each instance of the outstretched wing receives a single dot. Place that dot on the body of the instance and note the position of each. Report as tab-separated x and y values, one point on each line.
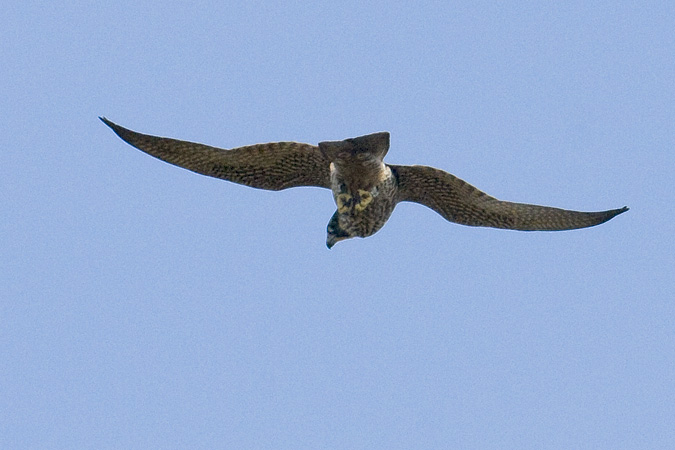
273	166
459	202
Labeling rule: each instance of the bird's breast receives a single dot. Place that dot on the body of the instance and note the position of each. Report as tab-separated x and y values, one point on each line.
363	209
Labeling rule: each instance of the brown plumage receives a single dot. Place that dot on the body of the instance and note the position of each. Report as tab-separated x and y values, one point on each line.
365	189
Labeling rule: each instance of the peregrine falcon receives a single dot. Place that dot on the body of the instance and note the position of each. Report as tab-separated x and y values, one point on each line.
365	189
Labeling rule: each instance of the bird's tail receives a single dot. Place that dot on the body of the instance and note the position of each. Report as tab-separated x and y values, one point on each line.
374	145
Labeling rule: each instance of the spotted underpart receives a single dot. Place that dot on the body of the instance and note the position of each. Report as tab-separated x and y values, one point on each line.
361	214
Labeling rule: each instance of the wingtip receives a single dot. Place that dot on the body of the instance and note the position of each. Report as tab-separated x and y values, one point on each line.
106	121
113	126
613	213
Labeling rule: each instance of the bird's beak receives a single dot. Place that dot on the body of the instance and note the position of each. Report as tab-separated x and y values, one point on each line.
331	240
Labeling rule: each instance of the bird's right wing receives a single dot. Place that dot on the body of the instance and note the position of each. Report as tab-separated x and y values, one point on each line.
273	166
458	201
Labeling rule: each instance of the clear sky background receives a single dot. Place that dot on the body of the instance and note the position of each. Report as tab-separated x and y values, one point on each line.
144	306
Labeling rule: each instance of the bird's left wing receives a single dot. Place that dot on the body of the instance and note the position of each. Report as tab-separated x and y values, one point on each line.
458	201
273	166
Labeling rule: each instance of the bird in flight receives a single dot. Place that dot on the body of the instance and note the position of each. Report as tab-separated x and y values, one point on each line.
365	189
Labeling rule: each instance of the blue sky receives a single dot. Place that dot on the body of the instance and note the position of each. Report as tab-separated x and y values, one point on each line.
145	306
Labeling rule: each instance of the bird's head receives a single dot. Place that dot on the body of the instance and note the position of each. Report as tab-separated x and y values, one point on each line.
335	233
